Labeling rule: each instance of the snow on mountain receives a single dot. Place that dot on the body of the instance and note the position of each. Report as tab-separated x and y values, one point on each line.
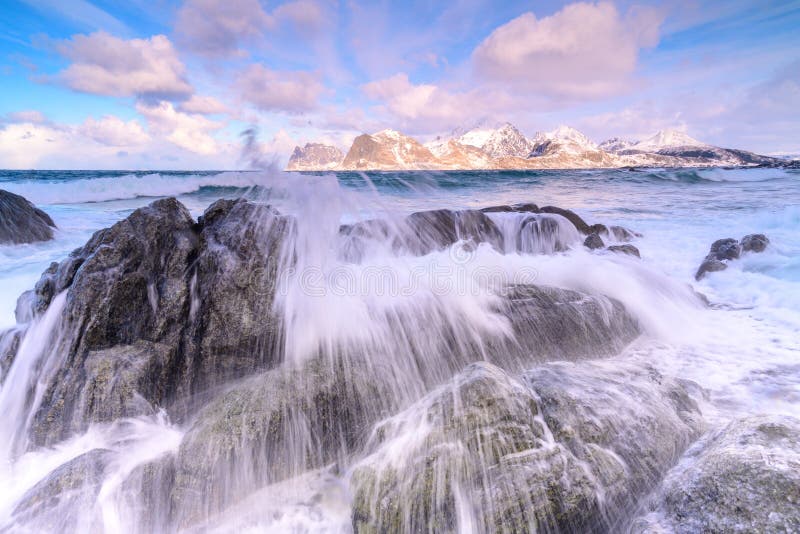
502	141
666	139
562	140
616	144
505	147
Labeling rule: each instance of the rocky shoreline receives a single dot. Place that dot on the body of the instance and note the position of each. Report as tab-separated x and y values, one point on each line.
534	430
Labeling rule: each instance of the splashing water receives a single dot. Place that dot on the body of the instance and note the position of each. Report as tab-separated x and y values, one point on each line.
379	322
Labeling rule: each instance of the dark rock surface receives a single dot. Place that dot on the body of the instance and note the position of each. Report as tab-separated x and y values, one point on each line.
593	242
754	243
724	250
22	222
743	478
625	249
159	307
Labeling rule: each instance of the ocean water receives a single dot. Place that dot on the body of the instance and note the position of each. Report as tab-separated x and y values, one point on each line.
744	350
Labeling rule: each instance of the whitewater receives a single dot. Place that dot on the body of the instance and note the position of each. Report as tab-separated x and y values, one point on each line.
743	350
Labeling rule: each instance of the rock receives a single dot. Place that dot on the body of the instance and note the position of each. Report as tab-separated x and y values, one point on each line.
60	501
432	230
593	242
623	234
22	222
625	249
516	208
743	478
571	216
754	243
709	266
568	448
269	428
9	345
160	308
721	251
725	249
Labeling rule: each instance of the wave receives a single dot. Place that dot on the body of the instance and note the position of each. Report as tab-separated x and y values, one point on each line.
719	174
129	186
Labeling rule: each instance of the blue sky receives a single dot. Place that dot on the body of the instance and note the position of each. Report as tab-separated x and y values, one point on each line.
172	84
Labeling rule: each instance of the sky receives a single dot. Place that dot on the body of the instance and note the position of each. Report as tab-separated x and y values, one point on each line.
160	84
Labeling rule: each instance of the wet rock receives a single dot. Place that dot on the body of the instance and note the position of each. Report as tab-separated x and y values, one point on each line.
754	243
743	478
59	502
623	234
625	249
9	344
568	448
593	242
725	249
709	266
721	251
22	222
269	428
159	308
553	323
516	208
571	216
434	230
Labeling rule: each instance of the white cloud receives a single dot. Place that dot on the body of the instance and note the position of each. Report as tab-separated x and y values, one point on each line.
290	91
583	51
428	107
190	132
22	145
113	131
205	105
107	65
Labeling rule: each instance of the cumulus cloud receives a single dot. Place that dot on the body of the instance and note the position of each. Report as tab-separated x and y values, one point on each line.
188	131
107	65
289	91
205	105
585	50
113	131
429	107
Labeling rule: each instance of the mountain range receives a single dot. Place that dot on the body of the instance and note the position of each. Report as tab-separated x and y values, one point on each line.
505	147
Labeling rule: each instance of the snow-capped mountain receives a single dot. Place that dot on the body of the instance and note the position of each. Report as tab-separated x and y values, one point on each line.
505	147
561	140
315	156
616	144
388	149
666	139
500	142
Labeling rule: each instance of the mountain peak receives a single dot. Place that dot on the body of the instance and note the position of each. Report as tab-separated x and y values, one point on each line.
666	139
504	140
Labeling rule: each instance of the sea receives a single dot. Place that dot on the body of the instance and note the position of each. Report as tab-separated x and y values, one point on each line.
744	349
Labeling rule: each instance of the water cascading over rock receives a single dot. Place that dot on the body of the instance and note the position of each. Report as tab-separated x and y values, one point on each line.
233	325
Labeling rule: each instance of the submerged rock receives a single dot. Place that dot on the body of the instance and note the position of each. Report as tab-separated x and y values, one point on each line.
725	249
22	222
743	478
568	448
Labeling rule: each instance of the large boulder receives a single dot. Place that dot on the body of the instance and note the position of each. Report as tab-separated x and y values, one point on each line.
158	308
743	478
754	243
22	222
567	448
